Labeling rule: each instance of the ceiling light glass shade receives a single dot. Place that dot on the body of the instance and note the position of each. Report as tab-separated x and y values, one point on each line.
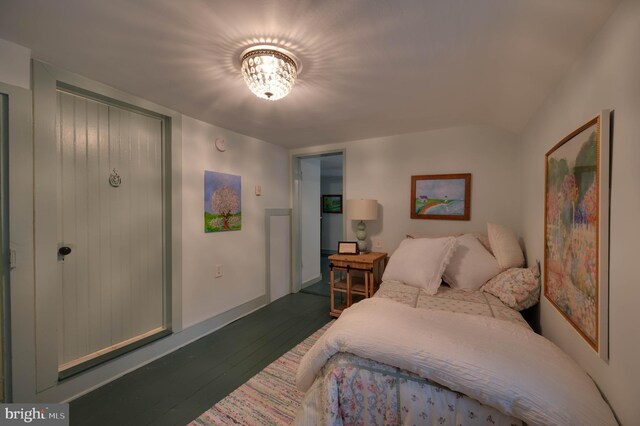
269	72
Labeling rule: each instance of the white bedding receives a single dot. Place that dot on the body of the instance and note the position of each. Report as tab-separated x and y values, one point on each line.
499	363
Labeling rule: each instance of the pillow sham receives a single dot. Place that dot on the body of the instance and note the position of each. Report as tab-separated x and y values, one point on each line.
420	262
505	246
518	288
471	265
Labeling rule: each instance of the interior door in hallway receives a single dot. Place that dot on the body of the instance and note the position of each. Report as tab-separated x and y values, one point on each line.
110	229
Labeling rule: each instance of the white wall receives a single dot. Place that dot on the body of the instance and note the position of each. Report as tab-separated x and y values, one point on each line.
607	76
310	219
15	64
381	168
241	253
332	223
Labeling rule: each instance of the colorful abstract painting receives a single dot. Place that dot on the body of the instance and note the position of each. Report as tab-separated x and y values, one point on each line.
441	196
222	202
572	222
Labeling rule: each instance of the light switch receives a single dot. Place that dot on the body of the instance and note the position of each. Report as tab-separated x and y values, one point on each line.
258	190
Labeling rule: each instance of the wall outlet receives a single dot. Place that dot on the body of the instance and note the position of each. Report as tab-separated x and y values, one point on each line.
218	271
377	243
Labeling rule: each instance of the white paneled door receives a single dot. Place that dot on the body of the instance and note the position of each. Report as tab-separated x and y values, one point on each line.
110	228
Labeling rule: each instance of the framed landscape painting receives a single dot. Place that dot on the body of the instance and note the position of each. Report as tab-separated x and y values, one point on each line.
332	204
441	197
576	230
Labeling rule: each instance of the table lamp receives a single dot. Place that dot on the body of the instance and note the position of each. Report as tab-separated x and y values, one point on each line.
362	210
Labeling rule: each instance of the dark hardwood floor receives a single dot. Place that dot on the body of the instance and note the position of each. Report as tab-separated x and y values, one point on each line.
180	386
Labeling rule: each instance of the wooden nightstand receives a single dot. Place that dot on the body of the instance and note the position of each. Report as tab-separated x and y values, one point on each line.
361	273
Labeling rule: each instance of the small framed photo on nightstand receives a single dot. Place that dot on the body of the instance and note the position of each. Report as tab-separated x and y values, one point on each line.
348	247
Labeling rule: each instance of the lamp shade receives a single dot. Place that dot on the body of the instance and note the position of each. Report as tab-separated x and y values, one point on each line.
362	209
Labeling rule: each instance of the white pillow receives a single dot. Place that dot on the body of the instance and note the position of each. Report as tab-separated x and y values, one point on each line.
505	247
471	265
484	240
416	235
420	262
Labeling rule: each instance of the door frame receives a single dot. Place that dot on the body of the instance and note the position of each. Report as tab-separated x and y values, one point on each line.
19	360
46	80
5	321
296	235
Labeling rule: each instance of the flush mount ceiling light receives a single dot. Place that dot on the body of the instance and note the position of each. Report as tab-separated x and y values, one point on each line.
269	71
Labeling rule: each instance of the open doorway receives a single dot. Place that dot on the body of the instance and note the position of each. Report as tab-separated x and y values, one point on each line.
320	190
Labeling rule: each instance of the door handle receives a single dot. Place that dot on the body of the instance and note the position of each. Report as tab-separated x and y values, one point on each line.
64	251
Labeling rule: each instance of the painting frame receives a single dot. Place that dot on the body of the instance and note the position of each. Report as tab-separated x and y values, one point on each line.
576	230
332	203
421	202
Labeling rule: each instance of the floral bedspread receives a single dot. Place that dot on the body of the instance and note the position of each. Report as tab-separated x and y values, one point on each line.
451	300
358	391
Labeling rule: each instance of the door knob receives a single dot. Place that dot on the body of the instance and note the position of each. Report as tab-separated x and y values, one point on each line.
64	250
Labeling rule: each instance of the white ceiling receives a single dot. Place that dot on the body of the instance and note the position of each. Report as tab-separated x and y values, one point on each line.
370	67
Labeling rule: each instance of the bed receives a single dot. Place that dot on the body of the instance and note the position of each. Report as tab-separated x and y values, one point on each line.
455	356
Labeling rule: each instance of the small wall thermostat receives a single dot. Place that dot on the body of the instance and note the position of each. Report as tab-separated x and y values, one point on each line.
220	145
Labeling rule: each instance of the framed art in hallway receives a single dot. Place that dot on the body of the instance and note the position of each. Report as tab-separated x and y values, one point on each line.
332	204
576	226
222	202
445	197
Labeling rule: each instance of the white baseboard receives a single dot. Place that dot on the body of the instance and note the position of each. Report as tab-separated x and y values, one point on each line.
312	281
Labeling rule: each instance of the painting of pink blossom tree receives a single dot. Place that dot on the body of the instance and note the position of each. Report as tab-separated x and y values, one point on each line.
572	229
222	202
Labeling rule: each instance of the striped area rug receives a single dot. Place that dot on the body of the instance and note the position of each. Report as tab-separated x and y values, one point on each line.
268	398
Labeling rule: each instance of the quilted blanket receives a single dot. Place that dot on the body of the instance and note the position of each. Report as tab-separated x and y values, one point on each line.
498	363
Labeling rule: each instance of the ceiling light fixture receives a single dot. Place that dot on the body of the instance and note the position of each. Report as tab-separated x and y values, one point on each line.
269	71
